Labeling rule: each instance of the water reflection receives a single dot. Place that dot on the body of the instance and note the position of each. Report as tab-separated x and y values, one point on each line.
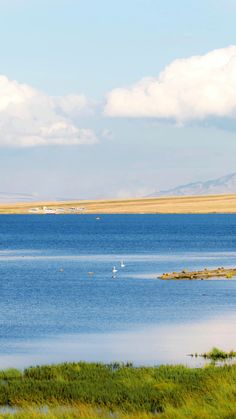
149	346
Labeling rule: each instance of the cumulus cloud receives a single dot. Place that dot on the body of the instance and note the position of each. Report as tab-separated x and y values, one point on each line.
188	89
29	117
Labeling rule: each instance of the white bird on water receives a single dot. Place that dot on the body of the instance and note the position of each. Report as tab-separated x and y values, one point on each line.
114	270
122	265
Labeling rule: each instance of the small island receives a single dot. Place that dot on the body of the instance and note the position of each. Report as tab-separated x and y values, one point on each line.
222	272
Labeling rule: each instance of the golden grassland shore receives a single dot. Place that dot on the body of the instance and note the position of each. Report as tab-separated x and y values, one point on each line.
217	273
166	205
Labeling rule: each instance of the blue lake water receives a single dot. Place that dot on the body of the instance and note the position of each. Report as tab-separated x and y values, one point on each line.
51	310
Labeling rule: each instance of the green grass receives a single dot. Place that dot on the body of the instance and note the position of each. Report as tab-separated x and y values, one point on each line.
84	390
216	354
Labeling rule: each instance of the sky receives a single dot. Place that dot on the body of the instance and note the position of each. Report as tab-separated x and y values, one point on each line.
102	99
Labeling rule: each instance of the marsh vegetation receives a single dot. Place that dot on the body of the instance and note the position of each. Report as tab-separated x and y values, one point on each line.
216	354
87	391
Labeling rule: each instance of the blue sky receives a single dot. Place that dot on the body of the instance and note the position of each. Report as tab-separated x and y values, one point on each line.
68	132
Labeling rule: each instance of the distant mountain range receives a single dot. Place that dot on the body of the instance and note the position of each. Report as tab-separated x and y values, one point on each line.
13	197
222	185
8	197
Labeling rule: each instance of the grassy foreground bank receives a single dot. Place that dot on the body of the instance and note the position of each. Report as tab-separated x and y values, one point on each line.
84	390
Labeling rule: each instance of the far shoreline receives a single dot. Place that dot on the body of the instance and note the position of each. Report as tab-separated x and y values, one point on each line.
199	204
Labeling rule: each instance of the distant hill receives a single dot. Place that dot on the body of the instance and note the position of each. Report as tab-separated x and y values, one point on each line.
13	197
16	197
222	185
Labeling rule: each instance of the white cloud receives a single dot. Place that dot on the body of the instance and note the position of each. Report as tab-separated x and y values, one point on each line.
107	134
74	105
188	89
29	117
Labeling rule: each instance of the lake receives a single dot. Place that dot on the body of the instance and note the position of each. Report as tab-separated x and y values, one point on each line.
52	310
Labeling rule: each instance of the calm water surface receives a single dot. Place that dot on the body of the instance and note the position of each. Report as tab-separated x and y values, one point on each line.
51	310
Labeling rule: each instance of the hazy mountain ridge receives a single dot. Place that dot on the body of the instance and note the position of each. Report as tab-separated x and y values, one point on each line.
9	197
13	197
223	185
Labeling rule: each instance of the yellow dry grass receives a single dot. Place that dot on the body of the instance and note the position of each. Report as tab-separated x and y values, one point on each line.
166	205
